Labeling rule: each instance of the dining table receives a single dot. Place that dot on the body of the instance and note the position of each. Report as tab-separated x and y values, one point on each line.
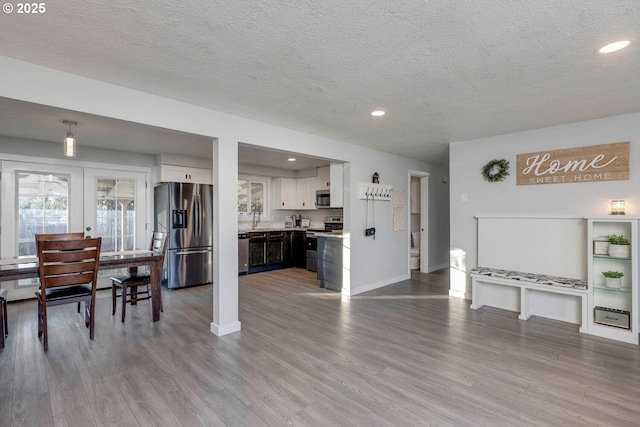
27	268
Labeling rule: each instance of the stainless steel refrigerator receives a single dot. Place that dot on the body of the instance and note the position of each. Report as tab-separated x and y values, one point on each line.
185	211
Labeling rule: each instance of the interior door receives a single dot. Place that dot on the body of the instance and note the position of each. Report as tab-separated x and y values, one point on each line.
36	198
115	209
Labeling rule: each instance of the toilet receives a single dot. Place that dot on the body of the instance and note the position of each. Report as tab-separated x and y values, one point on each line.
415	250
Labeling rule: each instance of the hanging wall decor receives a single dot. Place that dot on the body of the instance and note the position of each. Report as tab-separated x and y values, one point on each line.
604	162
496	170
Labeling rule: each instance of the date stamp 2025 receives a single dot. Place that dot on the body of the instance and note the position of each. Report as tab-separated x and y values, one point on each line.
25	8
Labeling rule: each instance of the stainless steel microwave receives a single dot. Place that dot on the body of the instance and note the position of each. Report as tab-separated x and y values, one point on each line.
323	198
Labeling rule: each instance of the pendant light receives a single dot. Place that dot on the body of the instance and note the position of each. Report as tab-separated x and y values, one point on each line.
69	140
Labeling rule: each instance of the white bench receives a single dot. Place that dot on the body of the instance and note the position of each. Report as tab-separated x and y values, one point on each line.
530	294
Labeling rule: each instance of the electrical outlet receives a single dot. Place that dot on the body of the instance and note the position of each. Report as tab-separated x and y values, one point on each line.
370	231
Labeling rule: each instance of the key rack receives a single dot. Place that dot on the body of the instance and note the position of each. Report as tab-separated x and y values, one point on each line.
367	190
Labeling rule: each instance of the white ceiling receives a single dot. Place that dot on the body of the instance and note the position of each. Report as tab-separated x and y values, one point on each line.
445	70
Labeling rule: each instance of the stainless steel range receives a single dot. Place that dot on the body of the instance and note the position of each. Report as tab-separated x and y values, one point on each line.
331	223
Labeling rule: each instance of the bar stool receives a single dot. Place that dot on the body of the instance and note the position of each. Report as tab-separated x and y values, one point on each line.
4	327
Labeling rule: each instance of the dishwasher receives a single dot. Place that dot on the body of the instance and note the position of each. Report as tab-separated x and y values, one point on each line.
243	253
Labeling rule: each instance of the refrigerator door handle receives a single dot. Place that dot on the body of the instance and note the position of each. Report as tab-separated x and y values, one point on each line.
197	213
192	252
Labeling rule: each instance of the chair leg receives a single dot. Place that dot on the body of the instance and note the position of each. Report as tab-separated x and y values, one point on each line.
124	300
45	338
6	324
39	318
113	298
87	315
3	321
92	310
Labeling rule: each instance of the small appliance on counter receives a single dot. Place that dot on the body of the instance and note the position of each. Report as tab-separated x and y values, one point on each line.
297	220
304	223
288	222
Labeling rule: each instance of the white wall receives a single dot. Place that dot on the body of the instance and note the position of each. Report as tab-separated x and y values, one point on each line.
10	145
506	198
374	263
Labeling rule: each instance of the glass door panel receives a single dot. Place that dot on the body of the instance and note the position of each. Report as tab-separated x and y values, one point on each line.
116	209
36	198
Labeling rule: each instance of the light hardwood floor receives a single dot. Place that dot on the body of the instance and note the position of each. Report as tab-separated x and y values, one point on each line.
404	355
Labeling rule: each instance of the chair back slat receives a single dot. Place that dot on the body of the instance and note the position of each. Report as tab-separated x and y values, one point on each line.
74	267
68	280
68	255
62	236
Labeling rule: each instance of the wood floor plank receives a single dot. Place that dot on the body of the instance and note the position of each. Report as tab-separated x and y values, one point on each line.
405	354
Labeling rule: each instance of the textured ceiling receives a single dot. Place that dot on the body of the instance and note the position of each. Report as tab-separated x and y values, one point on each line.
445	70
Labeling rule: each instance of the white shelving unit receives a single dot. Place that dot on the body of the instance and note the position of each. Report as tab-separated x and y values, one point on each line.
624	298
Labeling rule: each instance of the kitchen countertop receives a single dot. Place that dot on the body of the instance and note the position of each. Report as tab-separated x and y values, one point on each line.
330	234
267	229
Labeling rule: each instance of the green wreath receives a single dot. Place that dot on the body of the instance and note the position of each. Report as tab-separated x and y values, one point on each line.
495	170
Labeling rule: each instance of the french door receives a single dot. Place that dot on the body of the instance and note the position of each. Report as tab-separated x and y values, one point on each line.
36	198
115	209
43	198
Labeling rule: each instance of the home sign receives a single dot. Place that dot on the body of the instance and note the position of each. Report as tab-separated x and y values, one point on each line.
606	162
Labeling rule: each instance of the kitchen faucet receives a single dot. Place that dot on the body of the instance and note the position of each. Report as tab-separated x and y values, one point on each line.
255	223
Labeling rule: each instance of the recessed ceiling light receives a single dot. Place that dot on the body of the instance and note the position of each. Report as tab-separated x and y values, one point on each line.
614	47
378	113
291	159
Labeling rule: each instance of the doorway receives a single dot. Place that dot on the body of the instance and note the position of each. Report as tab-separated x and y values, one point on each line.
418	221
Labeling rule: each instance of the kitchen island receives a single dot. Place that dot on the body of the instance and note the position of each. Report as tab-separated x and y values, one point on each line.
330	260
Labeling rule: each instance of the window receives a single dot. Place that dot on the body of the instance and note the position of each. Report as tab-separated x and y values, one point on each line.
42	207
253	196
116	213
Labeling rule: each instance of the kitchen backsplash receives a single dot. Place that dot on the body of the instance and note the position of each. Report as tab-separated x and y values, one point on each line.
316	218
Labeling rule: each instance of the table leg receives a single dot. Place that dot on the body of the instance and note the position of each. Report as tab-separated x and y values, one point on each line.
156	287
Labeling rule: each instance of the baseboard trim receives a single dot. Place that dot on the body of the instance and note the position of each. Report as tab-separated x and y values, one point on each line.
462	295
376	285
438	267
229	328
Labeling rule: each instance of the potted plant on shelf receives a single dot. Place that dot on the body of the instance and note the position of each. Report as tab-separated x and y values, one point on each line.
619	246
613	279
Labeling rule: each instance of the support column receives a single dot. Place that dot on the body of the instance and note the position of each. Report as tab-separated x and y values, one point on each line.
225	237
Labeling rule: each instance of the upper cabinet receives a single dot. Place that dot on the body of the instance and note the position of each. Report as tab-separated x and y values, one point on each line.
336	181
284	192
300	193
306	193
174	173
324	178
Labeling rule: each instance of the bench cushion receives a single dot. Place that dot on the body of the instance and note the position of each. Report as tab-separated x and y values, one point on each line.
540	279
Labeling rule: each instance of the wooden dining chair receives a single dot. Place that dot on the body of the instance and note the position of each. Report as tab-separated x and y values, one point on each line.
136	286
68	268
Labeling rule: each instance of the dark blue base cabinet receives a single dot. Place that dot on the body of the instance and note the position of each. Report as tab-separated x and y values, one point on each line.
330	262
266	251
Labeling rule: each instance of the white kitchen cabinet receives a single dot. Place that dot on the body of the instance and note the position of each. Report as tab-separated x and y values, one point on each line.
175	173
324	178
284	192
336	180
306	193
614	304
